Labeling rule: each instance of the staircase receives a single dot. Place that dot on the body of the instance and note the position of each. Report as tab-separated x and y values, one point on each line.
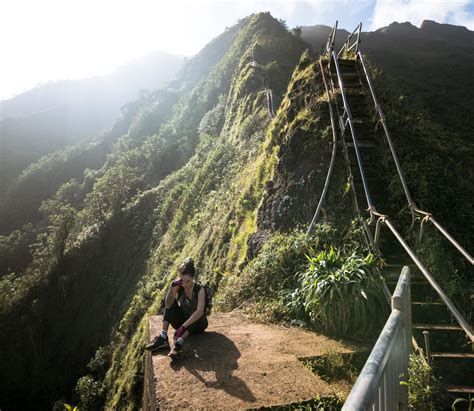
446	336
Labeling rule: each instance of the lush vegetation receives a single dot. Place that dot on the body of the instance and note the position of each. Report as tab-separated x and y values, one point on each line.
160	195
199	169
423	386
323	279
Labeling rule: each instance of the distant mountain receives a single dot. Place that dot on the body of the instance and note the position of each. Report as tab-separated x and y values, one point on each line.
58	114
434	63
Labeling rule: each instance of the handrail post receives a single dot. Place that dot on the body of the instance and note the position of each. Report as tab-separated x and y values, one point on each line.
380	221
401	300
358	38
426	336
422	230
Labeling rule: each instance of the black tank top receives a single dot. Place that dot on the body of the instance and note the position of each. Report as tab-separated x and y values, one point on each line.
189	306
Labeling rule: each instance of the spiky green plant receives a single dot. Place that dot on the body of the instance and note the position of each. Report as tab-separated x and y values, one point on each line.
340	293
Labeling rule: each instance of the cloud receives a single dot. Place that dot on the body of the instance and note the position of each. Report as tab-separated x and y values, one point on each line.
415	11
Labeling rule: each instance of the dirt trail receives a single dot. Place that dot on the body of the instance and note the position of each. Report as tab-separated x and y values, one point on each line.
237	364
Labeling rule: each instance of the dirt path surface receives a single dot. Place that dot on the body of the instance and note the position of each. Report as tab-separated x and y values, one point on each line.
237	364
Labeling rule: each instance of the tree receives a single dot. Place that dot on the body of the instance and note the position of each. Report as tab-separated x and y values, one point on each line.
297	31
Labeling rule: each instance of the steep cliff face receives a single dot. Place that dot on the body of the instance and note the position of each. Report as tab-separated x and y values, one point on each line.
215	196
302	131
185	178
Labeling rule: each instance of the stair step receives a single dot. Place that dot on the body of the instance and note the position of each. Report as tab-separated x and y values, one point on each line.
352	85
346	62
427	303
459	389
462	355
400	265
393	281
362	119
361	145
372	180
437	327
350	74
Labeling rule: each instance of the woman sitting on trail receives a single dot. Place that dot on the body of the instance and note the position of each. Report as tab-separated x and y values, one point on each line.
184	310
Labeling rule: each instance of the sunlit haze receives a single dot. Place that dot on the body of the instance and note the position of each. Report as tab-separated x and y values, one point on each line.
51	40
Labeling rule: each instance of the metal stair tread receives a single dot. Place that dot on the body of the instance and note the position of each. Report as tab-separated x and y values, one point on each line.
428	303
361	145
349	84
392	280
437	327
346	61
459	389
452	355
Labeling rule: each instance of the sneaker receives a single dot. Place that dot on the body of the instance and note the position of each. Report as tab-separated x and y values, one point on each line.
157	343
175	351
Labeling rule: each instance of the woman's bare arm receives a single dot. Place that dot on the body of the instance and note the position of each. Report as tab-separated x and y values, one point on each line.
170	296
196	315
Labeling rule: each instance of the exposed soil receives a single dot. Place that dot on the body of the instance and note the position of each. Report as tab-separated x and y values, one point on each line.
237	364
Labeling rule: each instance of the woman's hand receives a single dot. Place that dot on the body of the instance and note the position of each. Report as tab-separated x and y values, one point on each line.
177	283
179	332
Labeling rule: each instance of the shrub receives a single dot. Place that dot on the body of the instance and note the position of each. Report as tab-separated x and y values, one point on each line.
423	386
340	293
90	393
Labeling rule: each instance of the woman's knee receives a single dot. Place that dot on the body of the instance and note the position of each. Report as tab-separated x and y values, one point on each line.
174	315
199	326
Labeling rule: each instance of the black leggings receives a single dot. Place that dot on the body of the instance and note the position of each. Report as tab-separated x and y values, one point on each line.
176	317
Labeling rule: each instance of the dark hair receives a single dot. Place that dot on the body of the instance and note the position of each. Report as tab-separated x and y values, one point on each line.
187	267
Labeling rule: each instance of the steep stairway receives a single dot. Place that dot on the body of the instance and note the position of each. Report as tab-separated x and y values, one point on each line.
446	344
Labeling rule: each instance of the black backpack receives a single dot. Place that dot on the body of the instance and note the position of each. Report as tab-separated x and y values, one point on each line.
208	292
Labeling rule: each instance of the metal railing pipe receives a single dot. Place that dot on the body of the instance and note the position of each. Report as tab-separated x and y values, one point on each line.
387	133
411	203
354	138
344	46
333	154
450	238
364	390
378	385
331	38
457	315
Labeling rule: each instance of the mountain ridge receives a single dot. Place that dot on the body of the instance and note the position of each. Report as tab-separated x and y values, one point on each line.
199	168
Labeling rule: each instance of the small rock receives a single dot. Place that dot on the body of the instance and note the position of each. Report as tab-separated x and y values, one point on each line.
298	322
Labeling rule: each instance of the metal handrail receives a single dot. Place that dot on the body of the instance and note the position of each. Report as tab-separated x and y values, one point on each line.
378	385
331	38
356	43
442	230
454	311
268	91
427	217
368	238
333	155
371	209
384	219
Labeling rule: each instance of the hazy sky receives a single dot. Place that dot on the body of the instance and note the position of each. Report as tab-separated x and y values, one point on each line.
45	40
